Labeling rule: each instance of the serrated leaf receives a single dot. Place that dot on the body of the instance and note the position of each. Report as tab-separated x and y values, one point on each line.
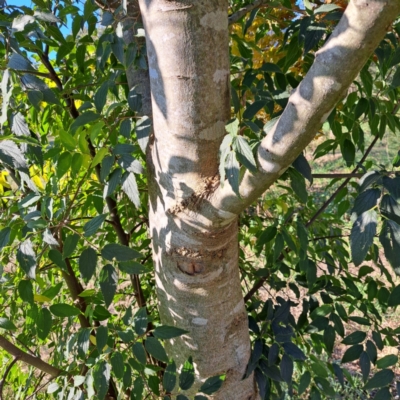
380	379
143	129
125	128
368	179
26	258
44	323
4	237
304	383
390	239
101	338
11	155
325	386
168	332
139	352
19	63
100	97
140	321
49	238
329	338
129	186
64	310
45	16
301	165
19	125
63	164
253	109
362	235
56	257
355	338
70	244
394	298
101	378
83	342
134	100
155	348
325	8
387	361
83	119
130	164
98	158
117	364
132	268
108	283
186	377
25	291
390	208
232	172
169	377
352	353
119	252
293	351
232	127
366	200
87	263
244	153
91	227
361	108
286	367
213	384
113	182
6	324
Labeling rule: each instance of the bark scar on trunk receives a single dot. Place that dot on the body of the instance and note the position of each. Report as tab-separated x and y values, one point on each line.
208	186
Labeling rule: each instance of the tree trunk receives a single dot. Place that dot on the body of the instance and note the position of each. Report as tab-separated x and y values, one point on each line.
196	259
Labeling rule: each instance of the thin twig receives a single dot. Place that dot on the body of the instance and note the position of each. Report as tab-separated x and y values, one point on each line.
3	380
244	10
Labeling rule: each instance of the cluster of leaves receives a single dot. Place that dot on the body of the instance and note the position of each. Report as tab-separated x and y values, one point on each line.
304	256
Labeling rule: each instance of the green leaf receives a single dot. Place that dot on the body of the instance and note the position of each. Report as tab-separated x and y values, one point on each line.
325	386
143	129
129	186
64	310
132	268
108	283
286	368
101	338
6	324
155	348
371	351
19	63
83	342
186	377
365	365
362	235
304	383
387	361
390	239
117	364
98	158
301	165
134	100
366	200
100	97
56	257
70	243
119	252
26	258
139	352
25	291
87	263
63	164
11	155
352	353
4	237
91	227
76	164
232	127
213	384
395	79
140	321
394	298
67	140
368	179
244	153
349	152
83	119
293	351
383	394
232	172
329	338
355	338
297	183
168	332
101	378
361	108
253	109
380	379
44	323
326	8
45	16
169	378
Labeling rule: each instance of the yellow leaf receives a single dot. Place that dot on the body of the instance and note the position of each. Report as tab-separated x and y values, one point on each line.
38	298
93	339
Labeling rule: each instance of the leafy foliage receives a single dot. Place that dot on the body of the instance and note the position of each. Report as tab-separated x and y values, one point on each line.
75	249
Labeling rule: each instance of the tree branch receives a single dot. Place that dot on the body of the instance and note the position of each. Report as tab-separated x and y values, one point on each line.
27	358
336	65
244	10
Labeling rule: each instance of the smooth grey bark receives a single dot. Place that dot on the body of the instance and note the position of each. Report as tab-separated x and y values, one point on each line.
193	220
